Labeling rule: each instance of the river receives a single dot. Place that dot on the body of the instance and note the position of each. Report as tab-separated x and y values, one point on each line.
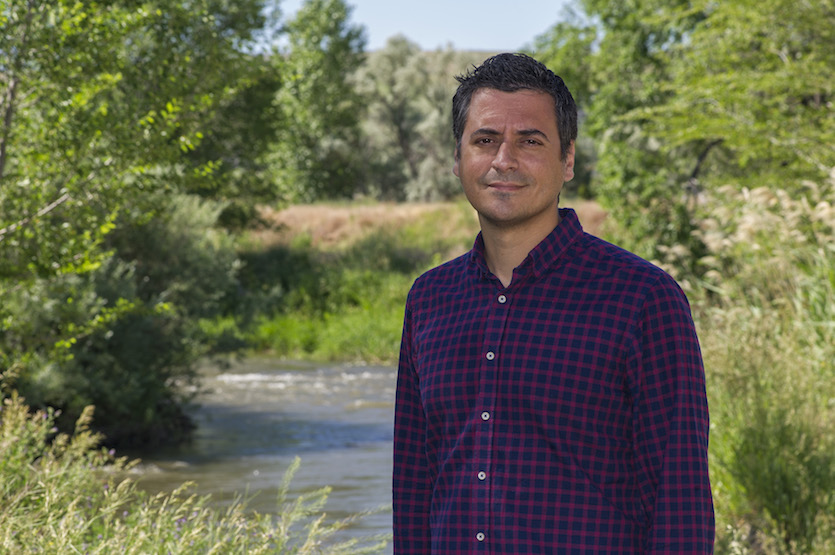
254	418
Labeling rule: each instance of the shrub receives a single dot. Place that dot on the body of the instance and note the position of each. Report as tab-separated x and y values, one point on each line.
125	335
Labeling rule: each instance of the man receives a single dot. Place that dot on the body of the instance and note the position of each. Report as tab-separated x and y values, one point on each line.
550	391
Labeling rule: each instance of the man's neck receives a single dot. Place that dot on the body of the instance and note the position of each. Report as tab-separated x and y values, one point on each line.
507	247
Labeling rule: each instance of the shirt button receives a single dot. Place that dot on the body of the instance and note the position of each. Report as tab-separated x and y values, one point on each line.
480	536
502	299
485	415
491	355
482	475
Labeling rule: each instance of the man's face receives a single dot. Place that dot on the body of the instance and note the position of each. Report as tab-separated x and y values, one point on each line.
509	160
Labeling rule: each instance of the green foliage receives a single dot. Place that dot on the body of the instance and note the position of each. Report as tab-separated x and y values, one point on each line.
315	155
683	98
231	163
640	183
363	324
391	79
755	79
57	132
101	105
62	494
138	334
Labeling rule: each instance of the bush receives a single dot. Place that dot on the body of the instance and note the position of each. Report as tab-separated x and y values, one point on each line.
125	335
62	494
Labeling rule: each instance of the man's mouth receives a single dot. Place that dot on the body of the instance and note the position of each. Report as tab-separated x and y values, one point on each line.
504	186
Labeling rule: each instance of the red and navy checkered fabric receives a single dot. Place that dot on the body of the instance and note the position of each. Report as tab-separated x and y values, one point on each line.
564	414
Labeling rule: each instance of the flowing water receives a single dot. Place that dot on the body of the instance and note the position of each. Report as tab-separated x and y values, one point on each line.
255	418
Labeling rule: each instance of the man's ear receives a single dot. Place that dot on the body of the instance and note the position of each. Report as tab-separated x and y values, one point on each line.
568	173
456	157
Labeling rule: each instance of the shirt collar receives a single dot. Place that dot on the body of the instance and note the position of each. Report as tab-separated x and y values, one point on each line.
543	256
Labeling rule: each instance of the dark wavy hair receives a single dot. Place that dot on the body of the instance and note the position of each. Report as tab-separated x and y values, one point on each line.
510	73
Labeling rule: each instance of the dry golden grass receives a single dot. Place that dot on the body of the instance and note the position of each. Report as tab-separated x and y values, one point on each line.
333	224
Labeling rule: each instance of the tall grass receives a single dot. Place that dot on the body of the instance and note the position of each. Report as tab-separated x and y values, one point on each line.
62	494
765	309
772	441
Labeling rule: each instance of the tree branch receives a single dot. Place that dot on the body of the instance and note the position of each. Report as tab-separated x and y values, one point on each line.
42	212
692	185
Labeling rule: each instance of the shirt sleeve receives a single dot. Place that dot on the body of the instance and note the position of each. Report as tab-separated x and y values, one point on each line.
671	425
411	481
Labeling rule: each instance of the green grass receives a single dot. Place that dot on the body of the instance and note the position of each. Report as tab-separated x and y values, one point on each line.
772	443
365	329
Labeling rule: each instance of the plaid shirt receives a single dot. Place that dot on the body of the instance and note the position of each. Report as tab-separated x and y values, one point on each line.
564	414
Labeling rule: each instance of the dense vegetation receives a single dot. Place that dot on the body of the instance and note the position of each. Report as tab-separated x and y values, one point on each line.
140	144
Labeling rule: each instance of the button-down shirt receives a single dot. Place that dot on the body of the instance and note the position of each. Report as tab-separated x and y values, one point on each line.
565	413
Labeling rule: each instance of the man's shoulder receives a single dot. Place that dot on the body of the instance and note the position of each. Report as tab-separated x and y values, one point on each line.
450	274
445	272
609	259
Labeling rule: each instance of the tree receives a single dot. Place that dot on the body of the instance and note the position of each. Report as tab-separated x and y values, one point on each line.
639	182
682	97
752	88
315	152
231	163
101	104
391	79
407	126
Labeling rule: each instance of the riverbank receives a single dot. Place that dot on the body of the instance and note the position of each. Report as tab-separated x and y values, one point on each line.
330	280
256	416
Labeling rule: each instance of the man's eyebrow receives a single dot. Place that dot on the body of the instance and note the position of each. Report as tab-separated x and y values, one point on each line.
523	132
534	133
485	131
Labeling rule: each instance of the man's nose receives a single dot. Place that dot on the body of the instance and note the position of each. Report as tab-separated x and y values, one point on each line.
505	159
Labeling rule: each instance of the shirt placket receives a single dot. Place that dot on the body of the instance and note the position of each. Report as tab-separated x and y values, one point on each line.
491	361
